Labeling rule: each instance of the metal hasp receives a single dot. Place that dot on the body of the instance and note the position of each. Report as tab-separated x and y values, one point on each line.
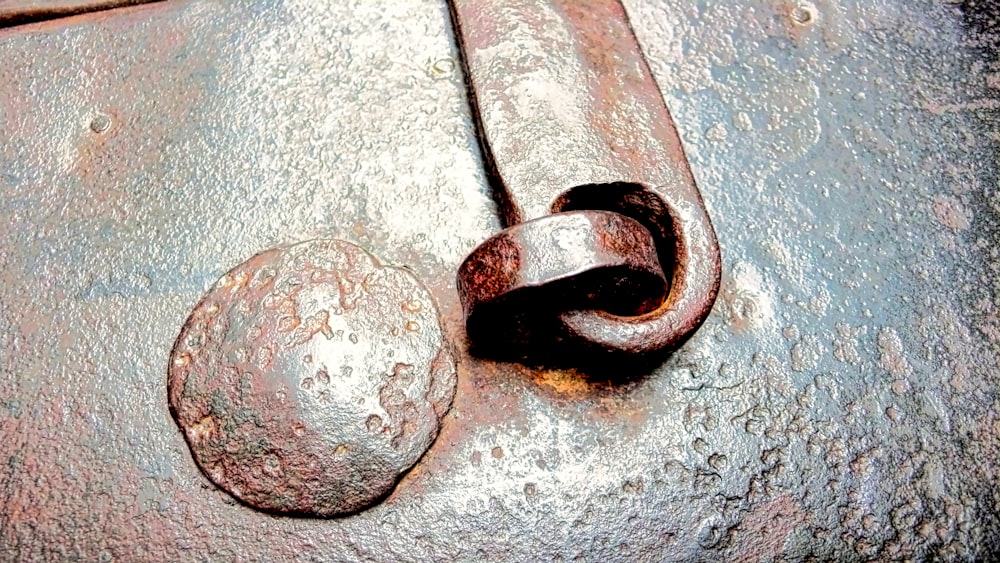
571	120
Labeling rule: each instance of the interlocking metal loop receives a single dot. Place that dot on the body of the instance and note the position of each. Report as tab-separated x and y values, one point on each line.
571	120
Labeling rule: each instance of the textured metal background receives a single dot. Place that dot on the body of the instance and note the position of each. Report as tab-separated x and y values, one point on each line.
840	402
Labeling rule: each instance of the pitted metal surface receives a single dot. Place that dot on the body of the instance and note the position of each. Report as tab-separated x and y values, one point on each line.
310	378
840	402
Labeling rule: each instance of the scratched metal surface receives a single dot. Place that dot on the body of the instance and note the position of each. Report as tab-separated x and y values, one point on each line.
839	403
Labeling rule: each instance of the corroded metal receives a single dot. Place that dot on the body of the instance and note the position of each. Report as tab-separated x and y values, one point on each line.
310	378
17	12
840	403
571	118
515	285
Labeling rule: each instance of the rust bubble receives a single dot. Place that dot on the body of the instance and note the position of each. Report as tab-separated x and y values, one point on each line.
802	15
100	124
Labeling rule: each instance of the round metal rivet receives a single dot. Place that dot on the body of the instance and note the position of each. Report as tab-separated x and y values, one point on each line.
306	381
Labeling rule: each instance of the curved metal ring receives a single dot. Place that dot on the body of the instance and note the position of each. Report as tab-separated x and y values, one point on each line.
694	284
515	286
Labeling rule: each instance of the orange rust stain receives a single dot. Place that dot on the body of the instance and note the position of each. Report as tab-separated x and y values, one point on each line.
567	383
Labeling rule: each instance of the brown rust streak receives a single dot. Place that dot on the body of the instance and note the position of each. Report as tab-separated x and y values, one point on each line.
20	12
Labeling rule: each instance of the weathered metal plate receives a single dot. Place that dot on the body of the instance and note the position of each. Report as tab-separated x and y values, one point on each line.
840	402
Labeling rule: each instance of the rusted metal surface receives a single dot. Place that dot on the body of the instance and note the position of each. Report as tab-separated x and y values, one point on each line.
310	378
18	12
571	118
840	401
515	286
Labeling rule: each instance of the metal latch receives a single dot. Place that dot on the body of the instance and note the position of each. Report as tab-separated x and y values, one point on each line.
601	208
